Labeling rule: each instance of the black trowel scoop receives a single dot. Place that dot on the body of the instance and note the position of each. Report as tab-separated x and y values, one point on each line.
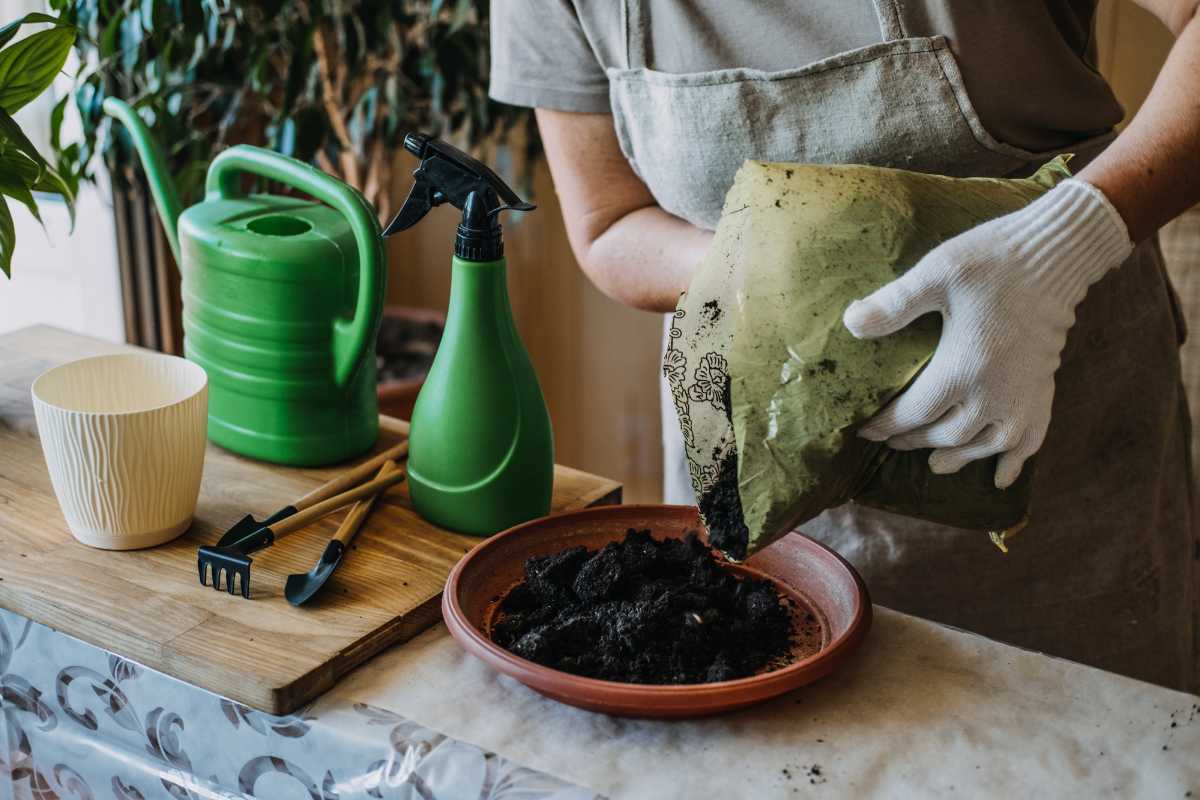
301	586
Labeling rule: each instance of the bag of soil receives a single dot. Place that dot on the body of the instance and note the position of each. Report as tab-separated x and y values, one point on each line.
769	386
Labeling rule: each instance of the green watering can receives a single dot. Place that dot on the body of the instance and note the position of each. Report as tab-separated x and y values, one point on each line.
281	302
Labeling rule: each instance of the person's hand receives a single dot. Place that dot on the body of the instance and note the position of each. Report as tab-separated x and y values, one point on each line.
1007	292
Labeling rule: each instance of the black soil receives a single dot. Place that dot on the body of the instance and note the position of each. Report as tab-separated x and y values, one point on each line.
645	611
721	504
721	507
405	348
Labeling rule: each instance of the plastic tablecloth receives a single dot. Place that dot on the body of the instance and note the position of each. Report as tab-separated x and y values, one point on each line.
81	723
921	710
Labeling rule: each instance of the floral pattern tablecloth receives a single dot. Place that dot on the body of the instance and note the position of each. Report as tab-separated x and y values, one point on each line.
82	723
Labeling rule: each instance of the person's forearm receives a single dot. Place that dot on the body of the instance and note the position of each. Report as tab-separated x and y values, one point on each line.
646	258
1151	173
632	250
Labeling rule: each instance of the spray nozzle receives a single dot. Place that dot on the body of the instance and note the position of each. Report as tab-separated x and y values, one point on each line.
448	175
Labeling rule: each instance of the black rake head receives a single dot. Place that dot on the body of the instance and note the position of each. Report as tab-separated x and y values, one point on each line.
225	565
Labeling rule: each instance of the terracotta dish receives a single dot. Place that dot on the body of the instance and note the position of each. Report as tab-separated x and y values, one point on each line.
812	575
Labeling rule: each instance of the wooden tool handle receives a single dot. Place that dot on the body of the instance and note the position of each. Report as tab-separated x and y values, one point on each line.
357	515
314	512
352	477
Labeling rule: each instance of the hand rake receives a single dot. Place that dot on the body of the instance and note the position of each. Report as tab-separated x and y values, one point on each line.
228	559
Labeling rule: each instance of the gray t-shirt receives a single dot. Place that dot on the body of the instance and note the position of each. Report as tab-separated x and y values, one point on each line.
1029	65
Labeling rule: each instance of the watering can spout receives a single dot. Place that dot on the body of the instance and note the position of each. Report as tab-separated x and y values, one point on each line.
166	196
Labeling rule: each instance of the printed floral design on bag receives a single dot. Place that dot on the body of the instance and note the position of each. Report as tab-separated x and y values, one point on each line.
711	471
712	377
675	371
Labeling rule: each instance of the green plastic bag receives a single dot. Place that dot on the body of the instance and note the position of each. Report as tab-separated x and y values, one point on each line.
769	386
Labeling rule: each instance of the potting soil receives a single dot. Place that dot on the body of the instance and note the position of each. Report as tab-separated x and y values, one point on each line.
648	611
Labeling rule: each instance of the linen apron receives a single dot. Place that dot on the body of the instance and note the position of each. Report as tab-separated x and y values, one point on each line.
1108	571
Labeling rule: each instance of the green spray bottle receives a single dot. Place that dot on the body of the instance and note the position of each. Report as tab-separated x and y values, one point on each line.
481	452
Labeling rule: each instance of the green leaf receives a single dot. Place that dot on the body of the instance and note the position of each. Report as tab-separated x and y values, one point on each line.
30	65
54	183
18	167
56	120
8	239
462	14
17	190
108	38
190	180
71	168
11	132
10	30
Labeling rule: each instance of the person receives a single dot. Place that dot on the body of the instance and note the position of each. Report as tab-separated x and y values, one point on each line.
1060	333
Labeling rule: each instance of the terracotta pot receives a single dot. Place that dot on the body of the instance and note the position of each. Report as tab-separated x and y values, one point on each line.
397	397
812	575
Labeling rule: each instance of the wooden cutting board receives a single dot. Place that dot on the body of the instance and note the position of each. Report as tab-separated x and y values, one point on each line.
148	605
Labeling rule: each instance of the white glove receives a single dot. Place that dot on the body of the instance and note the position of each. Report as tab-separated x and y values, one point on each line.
1007	292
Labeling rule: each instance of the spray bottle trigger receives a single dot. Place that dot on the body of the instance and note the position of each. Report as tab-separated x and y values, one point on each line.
422	198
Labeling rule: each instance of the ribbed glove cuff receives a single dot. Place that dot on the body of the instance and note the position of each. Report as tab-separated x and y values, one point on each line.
1069	238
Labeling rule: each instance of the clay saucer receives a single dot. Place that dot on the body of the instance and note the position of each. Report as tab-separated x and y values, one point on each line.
814	577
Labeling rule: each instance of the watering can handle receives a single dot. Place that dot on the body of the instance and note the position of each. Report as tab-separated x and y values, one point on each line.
351	339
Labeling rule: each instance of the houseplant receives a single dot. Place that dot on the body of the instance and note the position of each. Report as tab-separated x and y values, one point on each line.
27	68
333	82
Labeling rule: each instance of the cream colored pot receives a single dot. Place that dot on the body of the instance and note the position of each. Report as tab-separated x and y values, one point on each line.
124	439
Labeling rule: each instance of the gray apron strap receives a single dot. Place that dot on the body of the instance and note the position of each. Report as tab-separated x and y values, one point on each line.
635	19
890	19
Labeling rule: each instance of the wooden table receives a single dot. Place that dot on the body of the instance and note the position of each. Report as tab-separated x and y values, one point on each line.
148	606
